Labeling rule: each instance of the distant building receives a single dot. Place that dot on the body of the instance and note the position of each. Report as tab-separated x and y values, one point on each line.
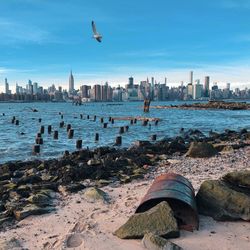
191	77
35	87
97	93
206	86
130	83
104	92
7	89
197	90
71	83
190	90
84	91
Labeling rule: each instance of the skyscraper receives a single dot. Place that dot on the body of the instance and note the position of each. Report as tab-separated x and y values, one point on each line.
97	92
7	90
191	77
197	90
130	82
71	82
206	86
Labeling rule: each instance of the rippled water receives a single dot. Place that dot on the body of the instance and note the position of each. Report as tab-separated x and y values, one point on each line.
14	146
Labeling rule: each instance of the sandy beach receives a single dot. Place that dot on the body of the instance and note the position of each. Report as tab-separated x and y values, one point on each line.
79	223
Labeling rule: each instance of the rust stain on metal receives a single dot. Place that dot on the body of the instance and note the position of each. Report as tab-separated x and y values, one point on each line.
180	195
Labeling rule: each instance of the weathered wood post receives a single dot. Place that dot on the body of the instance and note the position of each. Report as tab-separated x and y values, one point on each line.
55	136
49	129
36	149
70	133
79	144
118	141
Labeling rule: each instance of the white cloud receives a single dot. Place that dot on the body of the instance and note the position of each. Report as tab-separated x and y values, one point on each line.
13	32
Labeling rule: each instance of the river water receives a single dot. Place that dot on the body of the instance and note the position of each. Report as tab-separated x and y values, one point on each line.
17	146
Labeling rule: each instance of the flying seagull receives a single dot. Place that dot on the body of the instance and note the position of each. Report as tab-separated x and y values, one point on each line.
96	35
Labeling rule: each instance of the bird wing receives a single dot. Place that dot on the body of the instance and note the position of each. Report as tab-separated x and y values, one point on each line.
94	28
99	39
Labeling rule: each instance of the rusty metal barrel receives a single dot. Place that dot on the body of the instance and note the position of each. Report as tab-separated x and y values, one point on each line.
180	195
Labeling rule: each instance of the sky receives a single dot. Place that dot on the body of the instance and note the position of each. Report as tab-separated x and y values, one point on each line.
43	40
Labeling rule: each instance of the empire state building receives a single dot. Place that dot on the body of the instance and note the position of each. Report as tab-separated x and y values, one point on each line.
71	82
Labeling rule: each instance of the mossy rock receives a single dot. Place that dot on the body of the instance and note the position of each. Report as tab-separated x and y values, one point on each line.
201	150
159	220
154	242
95	194
238	178
31	209
40	199
219	201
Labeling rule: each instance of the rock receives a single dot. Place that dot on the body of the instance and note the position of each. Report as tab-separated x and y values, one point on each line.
31	209
32	179
239	179
201	150
71	188
93	194
154	242
40	199
217	200
93	162
4	177
13	243
158	220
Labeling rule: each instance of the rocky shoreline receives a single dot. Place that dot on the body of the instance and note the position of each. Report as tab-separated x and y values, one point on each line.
30	188
209	105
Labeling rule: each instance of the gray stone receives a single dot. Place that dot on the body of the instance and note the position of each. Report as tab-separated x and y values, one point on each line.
158	220
31	209
201	150
154	242
238	178
93	194
219	201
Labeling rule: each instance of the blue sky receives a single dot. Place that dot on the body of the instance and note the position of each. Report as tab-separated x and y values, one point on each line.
43	40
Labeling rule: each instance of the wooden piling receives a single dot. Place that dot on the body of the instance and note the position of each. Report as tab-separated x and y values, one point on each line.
118	141
131	122
96	137
94	118
145	123
36	149
101	120
55	136
88	117
61	124
39	140
79	144
105	125
153	137
49	129
112	121
61	116
17	122
40	120
121	131
70	133
156	122
81	116
68	127
42	129
126	128
38	135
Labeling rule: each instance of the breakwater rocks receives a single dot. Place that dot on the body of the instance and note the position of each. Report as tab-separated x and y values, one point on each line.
209	105
31	188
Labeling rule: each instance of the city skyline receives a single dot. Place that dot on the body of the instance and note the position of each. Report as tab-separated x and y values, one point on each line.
43	40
